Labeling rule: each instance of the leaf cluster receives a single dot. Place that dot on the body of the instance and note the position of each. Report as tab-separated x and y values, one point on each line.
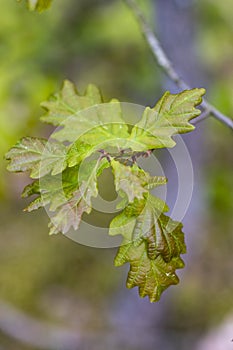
92	136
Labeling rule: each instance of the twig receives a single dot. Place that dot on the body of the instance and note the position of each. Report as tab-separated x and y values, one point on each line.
166	65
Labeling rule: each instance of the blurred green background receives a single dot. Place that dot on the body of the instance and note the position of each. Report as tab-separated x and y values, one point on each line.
54	283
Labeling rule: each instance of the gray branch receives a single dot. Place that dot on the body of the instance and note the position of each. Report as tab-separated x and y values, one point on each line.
166	65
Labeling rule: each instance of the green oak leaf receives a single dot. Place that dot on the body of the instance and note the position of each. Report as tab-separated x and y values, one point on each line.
85	118
52	190
152	244
133	181
92	126
170	116
78	152
151	276
127	180
39	156
38	5
70	213
68	102
144	221
31	189
154	181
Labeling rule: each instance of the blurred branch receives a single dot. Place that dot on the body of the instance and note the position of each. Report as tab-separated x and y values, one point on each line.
203	116
166	65
32	332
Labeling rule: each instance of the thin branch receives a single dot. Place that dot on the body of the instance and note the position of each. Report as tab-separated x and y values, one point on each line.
166	65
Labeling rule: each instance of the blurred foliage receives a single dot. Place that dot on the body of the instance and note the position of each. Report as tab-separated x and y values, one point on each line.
39	5
206	297
215	41
33	264
64	43
86	42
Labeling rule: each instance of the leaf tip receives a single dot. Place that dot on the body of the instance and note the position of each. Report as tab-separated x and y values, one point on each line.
202	91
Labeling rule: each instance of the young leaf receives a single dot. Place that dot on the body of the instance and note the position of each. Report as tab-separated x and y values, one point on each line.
83	124
31	189
38	156
133	181
127	180
70	213
170	116
152	244
162	235
52	190
78	152
68	102
155	181
151	276
93	127
39	5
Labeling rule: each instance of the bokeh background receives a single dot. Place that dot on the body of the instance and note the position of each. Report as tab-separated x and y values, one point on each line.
56	294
